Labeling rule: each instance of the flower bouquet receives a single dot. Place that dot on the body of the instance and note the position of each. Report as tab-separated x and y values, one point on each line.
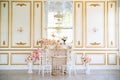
32	58
86	60
29	59
48	43
36	54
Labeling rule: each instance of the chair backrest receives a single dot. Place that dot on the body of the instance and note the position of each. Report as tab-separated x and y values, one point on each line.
46	57
70	57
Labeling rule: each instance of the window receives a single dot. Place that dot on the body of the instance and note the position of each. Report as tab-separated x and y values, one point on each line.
59	20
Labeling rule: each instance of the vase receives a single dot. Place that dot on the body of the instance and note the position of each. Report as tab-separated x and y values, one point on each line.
87	68
30	67
64	42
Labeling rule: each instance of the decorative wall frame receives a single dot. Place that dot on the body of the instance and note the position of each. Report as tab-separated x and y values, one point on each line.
95	24
78	58
79	22
18	58
21	20
4	58
112	28
4	24
37	24
112	56
100	55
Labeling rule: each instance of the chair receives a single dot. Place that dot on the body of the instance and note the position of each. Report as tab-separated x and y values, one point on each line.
70	66
46	66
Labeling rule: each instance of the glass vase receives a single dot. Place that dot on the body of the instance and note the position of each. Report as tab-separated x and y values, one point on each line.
30	67
87	68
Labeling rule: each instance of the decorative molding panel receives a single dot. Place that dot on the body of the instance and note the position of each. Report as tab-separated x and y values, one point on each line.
119	61
21	24
4	24
78	58
95	24
97	58
112	29
37	23
4	58
112	59
78	27
18	58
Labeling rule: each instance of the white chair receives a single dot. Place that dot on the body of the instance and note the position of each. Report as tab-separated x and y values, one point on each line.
70	66
46	66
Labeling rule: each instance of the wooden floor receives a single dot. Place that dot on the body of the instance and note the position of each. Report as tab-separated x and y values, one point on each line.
94	75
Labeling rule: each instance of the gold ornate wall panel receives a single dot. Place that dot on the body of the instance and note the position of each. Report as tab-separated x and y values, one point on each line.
4	58
78	58
95	24
112	32
78	21
18	58
112	59
21	24
97	58
4	24
37	23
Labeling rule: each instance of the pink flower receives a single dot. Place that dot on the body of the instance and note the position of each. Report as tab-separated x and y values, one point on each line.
86	59
36	54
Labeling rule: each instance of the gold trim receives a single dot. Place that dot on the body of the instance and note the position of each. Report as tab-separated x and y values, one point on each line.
75	6
108	62
20	43
119	61
105	24
95	43
4	5
94	5
78	5
6	46
78	42
4	42
37	5
94	29
111	5
12	24
111	43
97	53
40	5
7	58
104	27
20	29
21	4
81	53
17	53
115	39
